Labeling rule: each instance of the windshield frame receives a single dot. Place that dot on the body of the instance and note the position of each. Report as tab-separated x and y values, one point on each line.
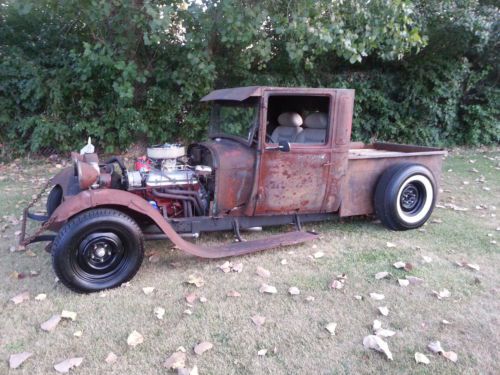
252	130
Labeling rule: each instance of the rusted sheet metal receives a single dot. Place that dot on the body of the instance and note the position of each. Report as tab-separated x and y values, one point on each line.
363	174
235	164
237	93
112	198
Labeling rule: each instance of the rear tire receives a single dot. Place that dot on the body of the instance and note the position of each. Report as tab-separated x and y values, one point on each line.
405	196
97	249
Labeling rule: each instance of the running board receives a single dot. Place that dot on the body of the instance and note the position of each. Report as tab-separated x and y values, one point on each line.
240	248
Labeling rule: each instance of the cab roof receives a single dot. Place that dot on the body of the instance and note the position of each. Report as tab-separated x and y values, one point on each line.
243	93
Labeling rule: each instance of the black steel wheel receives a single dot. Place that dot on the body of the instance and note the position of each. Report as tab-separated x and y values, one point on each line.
405	196
54	199
97	249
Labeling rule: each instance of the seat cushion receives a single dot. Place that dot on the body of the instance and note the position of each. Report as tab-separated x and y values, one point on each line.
290	126
315	132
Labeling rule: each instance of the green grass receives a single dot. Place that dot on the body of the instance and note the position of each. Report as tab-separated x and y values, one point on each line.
294	332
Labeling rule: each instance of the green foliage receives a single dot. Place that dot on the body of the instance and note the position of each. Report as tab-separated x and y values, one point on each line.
424	71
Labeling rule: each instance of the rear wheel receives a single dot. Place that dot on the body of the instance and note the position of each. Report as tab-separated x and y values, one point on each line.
98	249
405	196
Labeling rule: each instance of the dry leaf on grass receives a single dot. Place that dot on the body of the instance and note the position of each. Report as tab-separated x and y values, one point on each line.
111	358
262	272
187	312
238	267
191	297
426	259
384	310
51	324
269	289
444	293
40	297
377	324
148	290
24	296
175	361
318	255
203	299
134	339
202	347
376	343
294	291
66	365
390	244
283	262
444	321
435	347
233	293
421	358
452	356
258	320
472	266
16	360
310	298
414	280
159	312
65	314
225	267
381	275
405	266
403	282
188	371
377	296
78	333
196	280
262	352
331	327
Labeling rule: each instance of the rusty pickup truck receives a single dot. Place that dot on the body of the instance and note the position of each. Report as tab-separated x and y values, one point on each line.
274	156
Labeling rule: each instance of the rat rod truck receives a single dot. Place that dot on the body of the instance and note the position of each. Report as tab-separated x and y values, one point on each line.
275	156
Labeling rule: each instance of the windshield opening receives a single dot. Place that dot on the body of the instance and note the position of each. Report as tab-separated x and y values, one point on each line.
234	119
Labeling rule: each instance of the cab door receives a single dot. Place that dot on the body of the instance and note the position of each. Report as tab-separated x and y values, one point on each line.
295	181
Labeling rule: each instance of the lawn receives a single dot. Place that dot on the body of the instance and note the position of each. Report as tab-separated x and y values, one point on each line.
463	228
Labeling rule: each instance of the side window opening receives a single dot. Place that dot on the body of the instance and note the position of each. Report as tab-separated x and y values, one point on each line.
298	119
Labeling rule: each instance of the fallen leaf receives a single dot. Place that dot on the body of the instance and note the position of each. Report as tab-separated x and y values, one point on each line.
238	267
40	297
403	282
390	244
444	293
310	298
188	371
376	343
377	324
202	347
426	259
111	358
134	339
414	280
51	324
318	255
294	291
78	333
435	347
452	356
421	358
233	293
399	264
262	352
65	314
203	299
175	361
384	332
155	258
258	320
24	296
190	298
377	296
148	290
331	327
472	266
444	321
262	272
187	312
159	312
264	288
66	365
284	261
381	275
225	267
384	310
16	360
196	279
358	297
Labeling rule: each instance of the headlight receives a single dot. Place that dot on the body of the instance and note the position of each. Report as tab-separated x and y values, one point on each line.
87	174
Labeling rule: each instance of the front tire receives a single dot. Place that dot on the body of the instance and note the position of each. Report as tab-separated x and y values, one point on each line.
405	196
97	249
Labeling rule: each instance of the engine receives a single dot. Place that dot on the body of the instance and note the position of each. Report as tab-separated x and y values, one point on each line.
169	183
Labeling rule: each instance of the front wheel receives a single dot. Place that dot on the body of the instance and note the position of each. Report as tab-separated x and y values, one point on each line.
97	249
405	196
